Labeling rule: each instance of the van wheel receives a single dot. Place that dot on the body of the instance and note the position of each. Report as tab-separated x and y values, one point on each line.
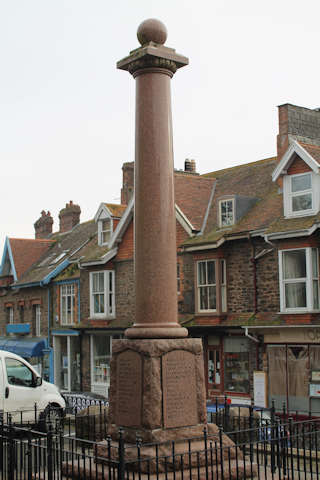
52	415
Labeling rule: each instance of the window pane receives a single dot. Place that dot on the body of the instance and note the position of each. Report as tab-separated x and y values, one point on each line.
294	264
212	298
94	282
296	295
202	273
223	298
302	202
314	262
211	273
203	298
315	294
101	282
300	183
226	212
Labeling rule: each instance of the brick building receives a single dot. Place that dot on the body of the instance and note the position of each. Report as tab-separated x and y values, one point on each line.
247	275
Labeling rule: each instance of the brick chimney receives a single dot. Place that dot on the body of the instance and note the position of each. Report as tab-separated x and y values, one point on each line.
190	165
297	123
43	226
127	182
69	217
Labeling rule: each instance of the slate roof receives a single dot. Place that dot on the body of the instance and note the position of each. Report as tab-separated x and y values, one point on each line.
67	243
25	252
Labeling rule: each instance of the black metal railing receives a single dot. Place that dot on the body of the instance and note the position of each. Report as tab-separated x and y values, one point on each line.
281	449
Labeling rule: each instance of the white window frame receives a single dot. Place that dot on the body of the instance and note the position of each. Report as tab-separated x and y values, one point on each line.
288	195
101	231
207	285
308	280
11	319
223	225
67	290
109	295
38	320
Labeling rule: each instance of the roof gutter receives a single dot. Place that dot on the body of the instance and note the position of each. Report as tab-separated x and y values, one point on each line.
112	253
55	272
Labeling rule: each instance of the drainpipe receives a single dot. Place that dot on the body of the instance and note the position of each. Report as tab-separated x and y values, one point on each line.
255	339
254	265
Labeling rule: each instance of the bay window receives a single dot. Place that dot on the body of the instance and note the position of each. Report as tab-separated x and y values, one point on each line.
211	286
102	294
299	279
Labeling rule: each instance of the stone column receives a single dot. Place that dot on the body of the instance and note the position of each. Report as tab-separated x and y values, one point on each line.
153	65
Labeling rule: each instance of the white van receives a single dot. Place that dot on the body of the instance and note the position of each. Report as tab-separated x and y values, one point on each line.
25	395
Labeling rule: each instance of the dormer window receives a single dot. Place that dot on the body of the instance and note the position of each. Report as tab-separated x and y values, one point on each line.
104	230
301	193
226	212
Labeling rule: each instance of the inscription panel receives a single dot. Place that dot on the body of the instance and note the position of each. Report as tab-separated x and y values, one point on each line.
179	389
129	389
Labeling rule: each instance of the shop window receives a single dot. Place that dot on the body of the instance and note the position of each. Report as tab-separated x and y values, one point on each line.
236	365
299	280
67	362
67	304
101	349
288	369
102	294
211	286
214	367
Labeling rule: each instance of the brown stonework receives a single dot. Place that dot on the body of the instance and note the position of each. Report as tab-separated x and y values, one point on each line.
160	361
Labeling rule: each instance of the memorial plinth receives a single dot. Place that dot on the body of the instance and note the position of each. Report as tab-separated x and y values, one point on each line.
157	389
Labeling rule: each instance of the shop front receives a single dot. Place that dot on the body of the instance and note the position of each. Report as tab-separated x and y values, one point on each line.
66	347
101	351
292	364
230	360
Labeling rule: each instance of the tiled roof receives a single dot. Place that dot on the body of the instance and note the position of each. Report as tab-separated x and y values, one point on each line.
192	195
252	180
116	210
68	244
313	150
92	251
27	251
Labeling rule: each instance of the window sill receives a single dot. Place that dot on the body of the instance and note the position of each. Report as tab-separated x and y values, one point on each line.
111	317
298	312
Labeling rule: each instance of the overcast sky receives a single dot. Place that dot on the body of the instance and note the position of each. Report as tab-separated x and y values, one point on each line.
67	113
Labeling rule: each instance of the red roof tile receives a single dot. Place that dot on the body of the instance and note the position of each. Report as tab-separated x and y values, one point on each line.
27	251
313	150
192	195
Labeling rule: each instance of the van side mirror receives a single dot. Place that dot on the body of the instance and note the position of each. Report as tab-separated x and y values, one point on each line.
38	381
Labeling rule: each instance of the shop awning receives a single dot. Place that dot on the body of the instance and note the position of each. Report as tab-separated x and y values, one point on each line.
25	347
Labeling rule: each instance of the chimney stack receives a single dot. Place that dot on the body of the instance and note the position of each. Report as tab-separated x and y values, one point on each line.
190	165
127	182
69	217
43	226
297	123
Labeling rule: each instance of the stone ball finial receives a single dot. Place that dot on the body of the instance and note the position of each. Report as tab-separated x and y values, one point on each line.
152	30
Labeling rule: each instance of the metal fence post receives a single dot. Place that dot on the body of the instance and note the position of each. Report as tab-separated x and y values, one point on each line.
121	465
50	451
